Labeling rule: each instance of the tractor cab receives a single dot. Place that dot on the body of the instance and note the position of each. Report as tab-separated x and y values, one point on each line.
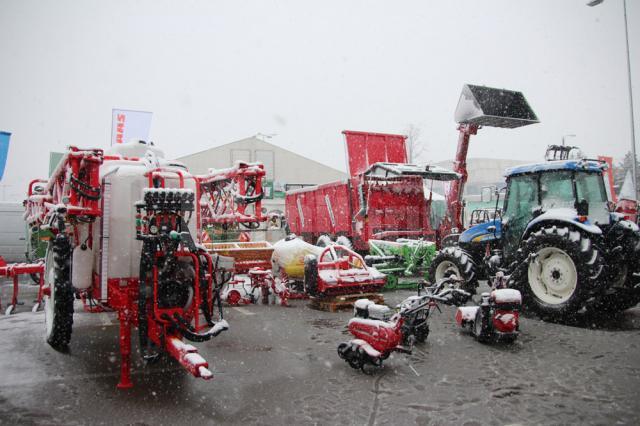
562	190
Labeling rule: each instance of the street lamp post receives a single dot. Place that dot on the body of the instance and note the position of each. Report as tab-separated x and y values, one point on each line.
633	130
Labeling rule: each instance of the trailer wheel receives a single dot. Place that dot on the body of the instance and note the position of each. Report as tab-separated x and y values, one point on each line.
58	306
311	275
457	261
324	241
343	240
564	271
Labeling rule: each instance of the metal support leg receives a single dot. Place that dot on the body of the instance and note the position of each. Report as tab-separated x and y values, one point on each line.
40	288
38	302
125	351
14	298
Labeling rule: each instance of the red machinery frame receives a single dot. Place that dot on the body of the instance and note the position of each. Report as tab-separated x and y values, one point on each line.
226	194
345	274
74	193
384	197
13	271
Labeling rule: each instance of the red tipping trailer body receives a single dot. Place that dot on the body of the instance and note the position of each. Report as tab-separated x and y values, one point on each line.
382	199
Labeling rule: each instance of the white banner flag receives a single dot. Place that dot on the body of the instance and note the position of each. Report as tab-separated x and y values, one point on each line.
127	125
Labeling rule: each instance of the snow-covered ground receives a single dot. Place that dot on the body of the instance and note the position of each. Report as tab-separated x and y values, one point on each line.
279	366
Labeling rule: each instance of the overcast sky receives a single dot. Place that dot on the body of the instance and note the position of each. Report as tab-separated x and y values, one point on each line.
213	72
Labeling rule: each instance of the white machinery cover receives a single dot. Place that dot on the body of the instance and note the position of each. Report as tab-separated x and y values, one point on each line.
506	295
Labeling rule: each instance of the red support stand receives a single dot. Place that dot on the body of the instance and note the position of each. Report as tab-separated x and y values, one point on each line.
14	299
40	288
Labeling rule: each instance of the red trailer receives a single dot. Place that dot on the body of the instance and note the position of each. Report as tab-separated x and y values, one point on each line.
383	198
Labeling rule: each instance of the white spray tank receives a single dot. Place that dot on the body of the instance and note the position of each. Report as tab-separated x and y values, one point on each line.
123	181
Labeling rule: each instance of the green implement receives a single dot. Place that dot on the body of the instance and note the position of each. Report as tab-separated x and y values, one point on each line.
404	261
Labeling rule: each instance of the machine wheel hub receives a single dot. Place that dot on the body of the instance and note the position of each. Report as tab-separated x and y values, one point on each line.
553	276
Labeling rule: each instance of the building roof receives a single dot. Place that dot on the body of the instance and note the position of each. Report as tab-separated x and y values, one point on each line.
256	140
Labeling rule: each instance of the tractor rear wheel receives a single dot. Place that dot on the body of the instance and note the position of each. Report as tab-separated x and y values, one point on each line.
58	305
454	260
311	275
564	272
622	295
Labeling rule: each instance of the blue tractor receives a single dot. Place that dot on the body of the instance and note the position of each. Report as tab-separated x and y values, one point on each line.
557	239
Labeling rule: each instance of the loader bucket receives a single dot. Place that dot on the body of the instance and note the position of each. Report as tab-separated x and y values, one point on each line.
487	106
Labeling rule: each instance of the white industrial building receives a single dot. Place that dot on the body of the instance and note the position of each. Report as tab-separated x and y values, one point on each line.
284	169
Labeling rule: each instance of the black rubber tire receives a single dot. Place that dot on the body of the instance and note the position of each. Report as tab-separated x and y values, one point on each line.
324	241
422	333
311	275
623	270
481	330
343	350
357	359
587	260
462	260
58	335
343	240
622	297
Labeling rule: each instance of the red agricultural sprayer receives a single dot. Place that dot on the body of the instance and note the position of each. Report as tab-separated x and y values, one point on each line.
123	226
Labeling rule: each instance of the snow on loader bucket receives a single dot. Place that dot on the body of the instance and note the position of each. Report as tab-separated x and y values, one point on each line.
486	106
122	226
479	106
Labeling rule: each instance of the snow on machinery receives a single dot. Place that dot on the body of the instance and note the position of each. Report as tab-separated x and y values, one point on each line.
232	196
34	267
383	198
404	261
231	200
13	271
122	241
556	241
478	106
378	331
338	270
497	318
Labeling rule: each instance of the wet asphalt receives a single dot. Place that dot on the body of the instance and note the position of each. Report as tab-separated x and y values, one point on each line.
279	366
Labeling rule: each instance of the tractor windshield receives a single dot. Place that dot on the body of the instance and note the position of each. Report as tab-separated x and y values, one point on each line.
556	190
590	187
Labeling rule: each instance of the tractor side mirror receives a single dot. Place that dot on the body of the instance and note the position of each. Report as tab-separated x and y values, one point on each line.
582	207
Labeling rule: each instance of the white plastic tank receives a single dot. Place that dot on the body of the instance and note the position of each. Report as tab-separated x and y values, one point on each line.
123	182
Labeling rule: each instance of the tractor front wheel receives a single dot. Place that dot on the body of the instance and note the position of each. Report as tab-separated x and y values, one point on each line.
454	260
58	305
564	270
